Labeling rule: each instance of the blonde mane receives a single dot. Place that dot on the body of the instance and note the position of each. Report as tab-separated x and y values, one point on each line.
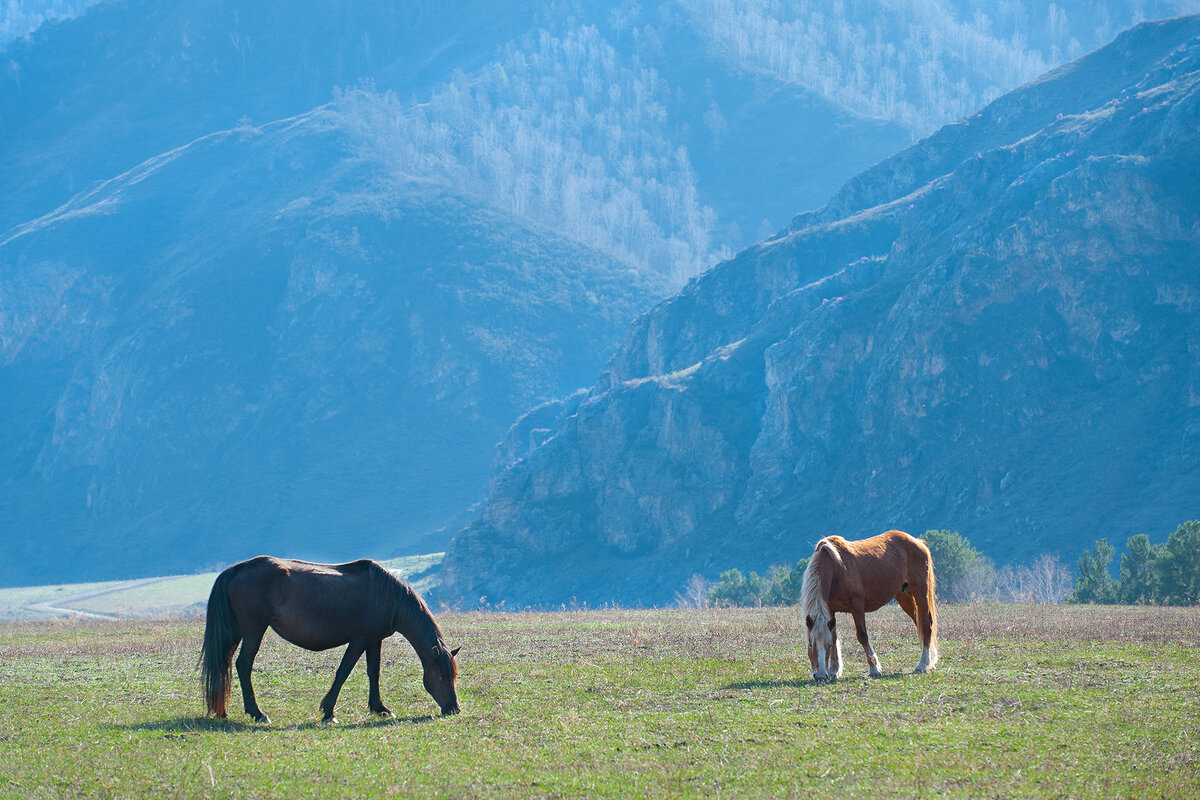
812	602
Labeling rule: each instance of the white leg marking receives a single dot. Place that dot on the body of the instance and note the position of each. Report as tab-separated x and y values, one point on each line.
873	660
923	665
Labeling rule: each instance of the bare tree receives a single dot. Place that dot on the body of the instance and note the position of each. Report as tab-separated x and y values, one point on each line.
695	593
1047	580
1050	580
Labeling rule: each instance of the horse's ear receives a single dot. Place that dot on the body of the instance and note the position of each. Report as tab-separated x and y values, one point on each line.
454	652
808	622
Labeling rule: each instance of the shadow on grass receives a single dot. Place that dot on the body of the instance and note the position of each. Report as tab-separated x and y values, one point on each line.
808	683
181	726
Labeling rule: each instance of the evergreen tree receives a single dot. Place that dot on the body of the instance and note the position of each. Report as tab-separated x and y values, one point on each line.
1138	569
1095	584
1177	572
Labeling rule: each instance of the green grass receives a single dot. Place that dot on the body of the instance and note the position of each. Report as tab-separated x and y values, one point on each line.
1026	702
174	596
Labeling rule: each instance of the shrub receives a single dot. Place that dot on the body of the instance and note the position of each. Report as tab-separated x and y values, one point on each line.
781	587
736	590
963	573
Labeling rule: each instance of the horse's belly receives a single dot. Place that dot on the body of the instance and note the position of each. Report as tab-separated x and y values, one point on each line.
311	635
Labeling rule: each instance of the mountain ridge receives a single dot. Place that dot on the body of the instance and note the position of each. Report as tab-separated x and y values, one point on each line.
966	354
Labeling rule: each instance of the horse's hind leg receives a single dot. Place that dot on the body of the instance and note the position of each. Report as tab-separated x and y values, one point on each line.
354	652
860	628
928	628
245	665
374	702
917	606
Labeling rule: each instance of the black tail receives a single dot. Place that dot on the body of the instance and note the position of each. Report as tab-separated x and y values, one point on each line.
220	641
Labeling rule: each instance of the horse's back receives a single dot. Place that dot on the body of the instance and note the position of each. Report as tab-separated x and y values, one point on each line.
883	565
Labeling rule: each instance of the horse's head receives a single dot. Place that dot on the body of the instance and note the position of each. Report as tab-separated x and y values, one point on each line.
441	671
824	648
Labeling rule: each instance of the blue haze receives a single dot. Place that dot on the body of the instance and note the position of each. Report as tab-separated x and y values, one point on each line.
277	276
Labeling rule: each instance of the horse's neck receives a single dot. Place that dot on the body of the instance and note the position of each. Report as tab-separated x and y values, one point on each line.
414	623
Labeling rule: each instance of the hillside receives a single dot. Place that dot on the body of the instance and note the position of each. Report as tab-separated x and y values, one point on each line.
994	331
758	109
307	355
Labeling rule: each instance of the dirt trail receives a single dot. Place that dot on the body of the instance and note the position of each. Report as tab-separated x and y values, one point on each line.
59	604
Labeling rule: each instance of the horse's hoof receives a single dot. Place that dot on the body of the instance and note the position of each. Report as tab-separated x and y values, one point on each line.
381	712
329	719
920	670
875	673
263	718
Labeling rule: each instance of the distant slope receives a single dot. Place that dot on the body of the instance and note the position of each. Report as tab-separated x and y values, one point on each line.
767	107
165	597
262	342
91	97
995	331
20	18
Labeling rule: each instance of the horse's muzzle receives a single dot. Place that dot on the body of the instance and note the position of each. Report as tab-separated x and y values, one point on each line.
451	709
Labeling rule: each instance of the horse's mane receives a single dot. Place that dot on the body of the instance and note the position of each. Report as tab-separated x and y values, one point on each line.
411	616
812	599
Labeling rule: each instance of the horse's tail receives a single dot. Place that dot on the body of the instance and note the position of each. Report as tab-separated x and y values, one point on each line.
931	601
220	640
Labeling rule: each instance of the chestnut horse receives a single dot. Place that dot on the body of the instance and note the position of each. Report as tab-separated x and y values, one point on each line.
318	606
860	577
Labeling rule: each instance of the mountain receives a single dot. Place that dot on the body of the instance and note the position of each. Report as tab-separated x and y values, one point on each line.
304	353
276	276
767	107
994	331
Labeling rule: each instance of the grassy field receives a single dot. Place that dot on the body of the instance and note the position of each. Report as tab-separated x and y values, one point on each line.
1050	701
159	598
15	603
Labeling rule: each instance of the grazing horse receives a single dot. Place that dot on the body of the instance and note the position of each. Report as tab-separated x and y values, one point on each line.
860	577
318	606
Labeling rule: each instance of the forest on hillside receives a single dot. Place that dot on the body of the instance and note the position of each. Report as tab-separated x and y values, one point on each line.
560	131
920	62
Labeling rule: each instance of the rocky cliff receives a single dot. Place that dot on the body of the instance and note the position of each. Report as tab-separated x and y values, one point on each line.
996	330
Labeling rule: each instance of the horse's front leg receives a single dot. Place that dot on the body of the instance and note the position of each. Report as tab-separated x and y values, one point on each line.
245	665
860	628
354	651
374	702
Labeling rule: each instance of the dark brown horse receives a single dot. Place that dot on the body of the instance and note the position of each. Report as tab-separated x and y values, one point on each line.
318	606
860	577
